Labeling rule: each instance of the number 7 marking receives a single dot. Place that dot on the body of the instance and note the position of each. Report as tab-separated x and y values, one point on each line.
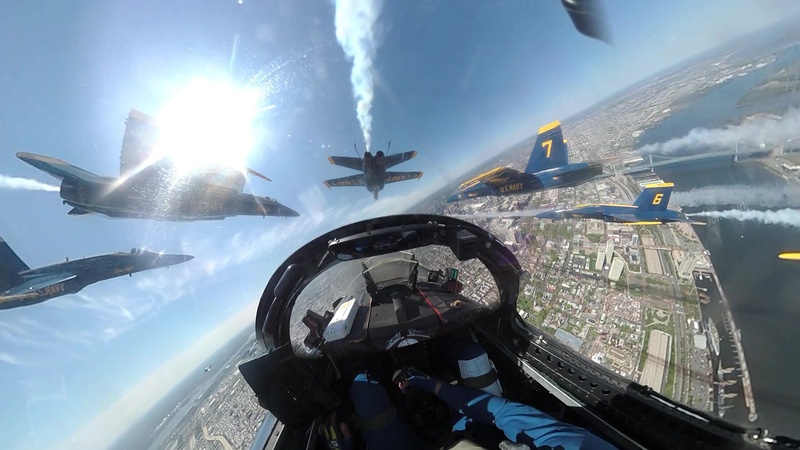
549	144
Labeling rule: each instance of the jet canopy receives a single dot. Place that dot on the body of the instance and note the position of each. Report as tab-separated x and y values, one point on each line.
385	283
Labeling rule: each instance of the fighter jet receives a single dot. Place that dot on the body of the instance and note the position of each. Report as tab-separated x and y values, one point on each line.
649	209
153	189
548	167
21	286
374	175
409	308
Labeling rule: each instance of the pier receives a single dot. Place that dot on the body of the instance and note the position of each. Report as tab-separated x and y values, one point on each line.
736	335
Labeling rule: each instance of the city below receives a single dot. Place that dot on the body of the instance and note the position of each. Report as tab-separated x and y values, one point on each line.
644	301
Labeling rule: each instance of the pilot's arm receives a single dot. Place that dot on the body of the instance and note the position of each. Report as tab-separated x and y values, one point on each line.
520	423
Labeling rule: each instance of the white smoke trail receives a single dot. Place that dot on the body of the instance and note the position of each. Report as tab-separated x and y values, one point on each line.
502	214
756	132
788	217
356	32
754	196
7	182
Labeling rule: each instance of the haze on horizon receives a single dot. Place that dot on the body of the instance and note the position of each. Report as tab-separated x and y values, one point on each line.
460	85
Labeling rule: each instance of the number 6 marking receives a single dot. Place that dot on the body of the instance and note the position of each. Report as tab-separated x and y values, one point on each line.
657	199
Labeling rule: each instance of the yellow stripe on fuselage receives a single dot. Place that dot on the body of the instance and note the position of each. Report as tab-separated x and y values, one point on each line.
471	181
790	256
659	185
549	127
607	204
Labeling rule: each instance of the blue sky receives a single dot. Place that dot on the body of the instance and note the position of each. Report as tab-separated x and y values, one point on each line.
458	81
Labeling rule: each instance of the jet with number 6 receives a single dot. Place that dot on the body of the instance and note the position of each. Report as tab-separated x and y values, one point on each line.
548	167
649	209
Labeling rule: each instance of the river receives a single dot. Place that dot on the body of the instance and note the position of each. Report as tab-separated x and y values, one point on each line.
762	291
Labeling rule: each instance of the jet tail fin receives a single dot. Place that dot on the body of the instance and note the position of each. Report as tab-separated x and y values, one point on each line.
138	142
550	149
654	197
10	267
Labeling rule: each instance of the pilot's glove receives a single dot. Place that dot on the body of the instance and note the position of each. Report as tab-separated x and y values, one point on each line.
336	433
424	383
409	376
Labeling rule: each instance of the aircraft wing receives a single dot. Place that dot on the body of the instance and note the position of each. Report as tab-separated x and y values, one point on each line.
631	219
394	177
347	161
40	282
397	158
589	18
491	178
354	180
59	168
553	214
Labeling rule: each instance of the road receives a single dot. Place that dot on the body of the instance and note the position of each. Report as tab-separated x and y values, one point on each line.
221	439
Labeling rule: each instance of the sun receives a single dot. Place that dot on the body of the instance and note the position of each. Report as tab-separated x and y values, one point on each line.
208	122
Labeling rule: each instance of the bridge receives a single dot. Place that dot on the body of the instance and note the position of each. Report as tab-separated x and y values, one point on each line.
650	161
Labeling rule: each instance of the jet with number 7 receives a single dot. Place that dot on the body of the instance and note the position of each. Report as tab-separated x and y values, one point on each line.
649	209
548	167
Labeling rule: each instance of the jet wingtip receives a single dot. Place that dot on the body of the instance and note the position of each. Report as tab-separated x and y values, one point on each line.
330	160
25	156
326	184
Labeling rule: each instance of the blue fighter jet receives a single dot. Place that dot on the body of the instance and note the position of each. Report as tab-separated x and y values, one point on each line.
548	167
649	209
21	286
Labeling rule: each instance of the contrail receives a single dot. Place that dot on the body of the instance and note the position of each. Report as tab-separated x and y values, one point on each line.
756	132
237	39
788	217
760	196
7	182
355	30
502	214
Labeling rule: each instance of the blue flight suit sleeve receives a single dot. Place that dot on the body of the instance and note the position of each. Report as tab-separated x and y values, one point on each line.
520	423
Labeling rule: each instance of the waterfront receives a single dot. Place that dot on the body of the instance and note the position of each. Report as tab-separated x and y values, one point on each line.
760	289
610	321
761	292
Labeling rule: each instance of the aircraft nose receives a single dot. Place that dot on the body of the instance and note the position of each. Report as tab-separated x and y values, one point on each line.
169	260
454	198
547	215
288	212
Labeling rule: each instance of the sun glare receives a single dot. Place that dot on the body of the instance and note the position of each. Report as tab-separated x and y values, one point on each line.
208	122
